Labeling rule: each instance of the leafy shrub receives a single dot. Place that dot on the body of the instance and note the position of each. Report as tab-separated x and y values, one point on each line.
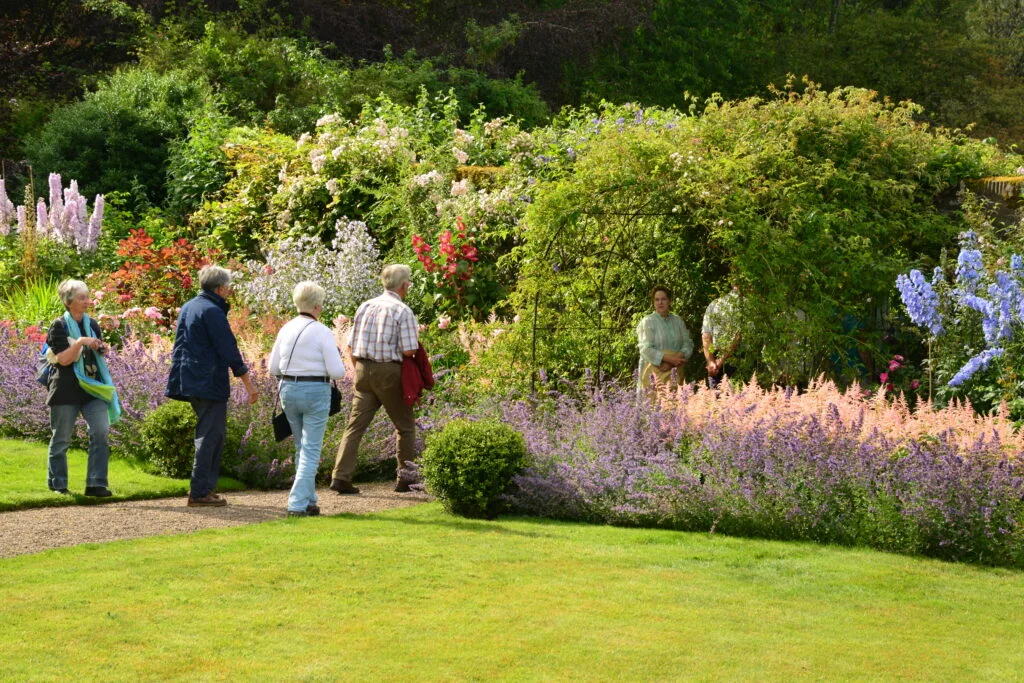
119	134
168	439
34	302
691	202
153	275
196	165
469	465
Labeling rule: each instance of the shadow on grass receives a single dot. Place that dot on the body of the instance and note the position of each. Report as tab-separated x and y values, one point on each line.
459	523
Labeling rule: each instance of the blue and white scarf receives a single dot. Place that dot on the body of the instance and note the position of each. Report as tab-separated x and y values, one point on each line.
102	388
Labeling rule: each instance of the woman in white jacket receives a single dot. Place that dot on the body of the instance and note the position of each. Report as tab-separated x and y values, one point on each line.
305	359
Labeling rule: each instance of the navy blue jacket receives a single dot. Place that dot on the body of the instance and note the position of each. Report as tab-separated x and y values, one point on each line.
204	349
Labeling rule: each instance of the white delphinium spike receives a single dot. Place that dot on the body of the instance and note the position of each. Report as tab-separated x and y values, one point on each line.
42	219
95	224
56	205
73	227
7	213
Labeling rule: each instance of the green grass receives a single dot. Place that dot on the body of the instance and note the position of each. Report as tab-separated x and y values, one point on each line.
417	594
23	479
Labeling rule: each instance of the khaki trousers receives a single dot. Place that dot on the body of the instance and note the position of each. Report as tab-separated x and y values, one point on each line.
376	385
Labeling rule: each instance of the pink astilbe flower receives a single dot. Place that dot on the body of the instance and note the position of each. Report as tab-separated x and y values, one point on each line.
890	417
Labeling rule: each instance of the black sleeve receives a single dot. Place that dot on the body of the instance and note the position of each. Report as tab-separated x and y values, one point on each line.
57	337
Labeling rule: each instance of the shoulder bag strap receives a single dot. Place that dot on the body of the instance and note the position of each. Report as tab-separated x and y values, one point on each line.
277	400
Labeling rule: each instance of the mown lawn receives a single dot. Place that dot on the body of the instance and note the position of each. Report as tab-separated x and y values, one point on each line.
417	594
23	479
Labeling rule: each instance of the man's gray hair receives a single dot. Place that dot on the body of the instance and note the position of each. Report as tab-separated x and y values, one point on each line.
307	296
395	275
213	277
69	289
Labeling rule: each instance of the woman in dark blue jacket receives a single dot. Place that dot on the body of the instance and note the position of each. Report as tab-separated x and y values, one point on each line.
204	350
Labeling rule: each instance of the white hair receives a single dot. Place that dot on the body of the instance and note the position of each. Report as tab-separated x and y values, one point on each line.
307	296
395	275
69	289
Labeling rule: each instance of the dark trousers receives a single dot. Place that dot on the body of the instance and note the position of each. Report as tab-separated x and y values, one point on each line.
211	427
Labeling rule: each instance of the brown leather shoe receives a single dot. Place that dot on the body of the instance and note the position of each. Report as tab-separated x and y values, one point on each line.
208	501
343	487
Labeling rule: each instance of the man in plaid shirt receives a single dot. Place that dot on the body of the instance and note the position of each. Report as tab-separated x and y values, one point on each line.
383	332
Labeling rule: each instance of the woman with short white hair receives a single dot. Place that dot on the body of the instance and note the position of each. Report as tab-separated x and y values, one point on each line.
79	384
305	358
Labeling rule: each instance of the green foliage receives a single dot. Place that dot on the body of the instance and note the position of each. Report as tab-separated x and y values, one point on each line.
119	134
283	81
789	198
689	46
242	219
167	436
468	465
487	42
32	303
196	165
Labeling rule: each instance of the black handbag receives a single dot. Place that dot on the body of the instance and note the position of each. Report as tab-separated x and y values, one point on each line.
282	427
335	400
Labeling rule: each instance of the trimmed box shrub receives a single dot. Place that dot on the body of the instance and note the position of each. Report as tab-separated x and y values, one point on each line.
469	465
168	439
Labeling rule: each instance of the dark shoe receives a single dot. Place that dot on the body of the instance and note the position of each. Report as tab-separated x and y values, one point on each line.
402	487
343	487
207	501
298	513
313	510
98	492
63	492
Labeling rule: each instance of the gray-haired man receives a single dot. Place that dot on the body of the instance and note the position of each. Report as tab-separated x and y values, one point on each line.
384	332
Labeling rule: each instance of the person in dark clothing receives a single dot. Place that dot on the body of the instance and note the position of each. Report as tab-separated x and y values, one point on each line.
204	350
79	383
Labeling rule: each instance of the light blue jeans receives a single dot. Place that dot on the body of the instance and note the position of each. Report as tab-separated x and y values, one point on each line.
306	405
62	426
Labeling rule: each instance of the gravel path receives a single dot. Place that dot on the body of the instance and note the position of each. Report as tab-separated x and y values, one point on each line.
35	530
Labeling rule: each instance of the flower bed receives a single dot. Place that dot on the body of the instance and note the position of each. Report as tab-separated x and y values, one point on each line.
822	466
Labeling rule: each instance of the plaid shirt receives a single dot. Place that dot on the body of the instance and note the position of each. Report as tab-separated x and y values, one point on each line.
383	329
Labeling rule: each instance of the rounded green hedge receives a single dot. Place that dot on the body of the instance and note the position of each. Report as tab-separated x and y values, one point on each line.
468	465
168	439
